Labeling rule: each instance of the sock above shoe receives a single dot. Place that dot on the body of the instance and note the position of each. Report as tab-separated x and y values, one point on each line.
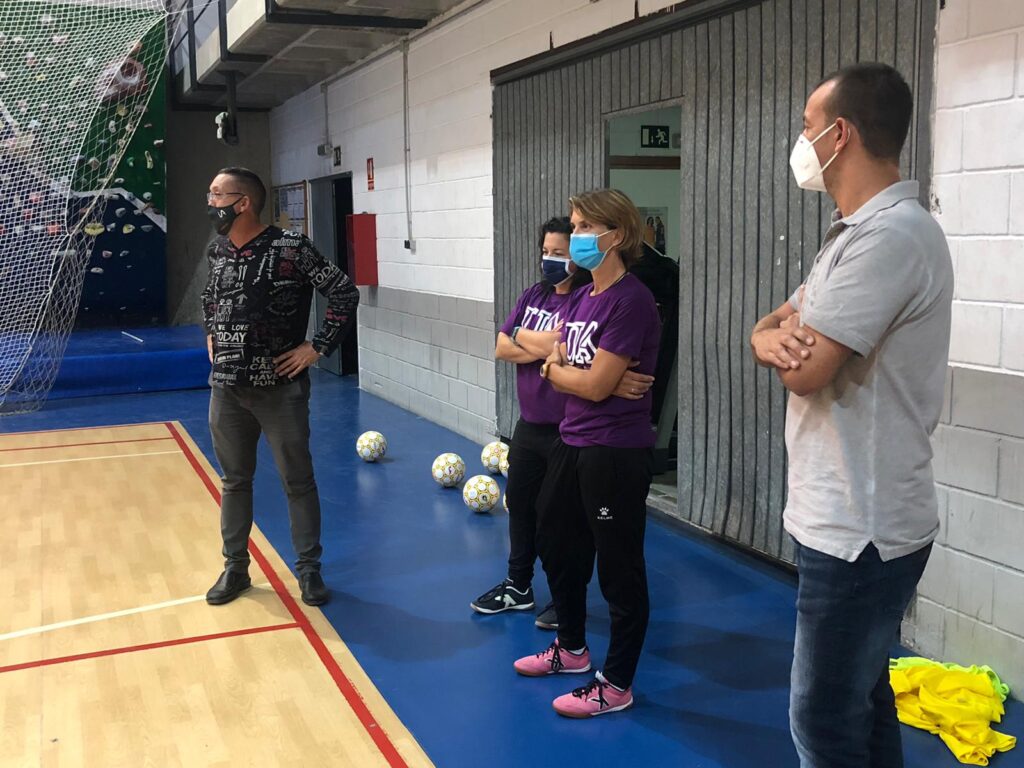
600	676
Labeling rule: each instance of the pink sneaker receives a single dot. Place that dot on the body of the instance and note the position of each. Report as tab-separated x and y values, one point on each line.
553	661
596	698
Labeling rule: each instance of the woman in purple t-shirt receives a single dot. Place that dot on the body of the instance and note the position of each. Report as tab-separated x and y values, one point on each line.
526	339
594	497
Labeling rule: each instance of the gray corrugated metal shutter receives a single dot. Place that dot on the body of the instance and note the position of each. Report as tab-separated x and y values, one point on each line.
748	234
548	144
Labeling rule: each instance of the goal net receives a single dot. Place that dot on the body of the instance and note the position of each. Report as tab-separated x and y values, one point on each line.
75	81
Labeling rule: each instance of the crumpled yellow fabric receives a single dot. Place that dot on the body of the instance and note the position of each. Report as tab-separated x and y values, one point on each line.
957	703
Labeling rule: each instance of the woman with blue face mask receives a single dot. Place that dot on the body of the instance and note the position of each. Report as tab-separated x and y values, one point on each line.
526	339
593	503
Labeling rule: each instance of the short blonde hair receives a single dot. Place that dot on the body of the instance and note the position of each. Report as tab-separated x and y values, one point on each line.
614	210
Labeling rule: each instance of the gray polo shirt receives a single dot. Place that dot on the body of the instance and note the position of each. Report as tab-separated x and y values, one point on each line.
859	450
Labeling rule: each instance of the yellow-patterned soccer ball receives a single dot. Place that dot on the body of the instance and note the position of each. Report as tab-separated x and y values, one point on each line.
480	493
371	446
504	501
491	455
448	469
503	464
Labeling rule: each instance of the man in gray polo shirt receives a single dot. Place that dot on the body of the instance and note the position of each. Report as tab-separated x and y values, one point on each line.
862	347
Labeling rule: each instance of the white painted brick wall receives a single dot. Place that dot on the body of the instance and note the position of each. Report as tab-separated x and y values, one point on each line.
976	71
977	333
969	608
956	579
1013	334
979	177
973	203
982	127
991	270
966	458
1017	200
1011	470
988	16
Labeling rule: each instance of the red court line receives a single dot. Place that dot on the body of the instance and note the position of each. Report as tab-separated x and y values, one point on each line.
79	445
144	647
348	690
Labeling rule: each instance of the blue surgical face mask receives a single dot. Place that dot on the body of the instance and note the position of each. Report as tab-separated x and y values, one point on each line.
556	269
584	251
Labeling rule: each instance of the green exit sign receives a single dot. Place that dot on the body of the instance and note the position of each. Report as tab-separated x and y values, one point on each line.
655	137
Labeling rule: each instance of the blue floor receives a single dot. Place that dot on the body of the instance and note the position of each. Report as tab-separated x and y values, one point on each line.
404	558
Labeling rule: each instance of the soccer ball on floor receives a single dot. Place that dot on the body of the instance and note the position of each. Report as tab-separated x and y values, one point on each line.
371	446
492	454
503	464
481	493
504	501
448	469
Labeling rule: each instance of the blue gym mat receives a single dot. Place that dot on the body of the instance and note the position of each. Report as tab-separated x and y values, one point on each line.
115	362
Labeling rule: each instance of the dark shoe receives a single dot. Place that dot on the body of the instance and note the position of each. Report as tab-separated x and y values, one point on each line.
314	591
229	586
547	619
504	597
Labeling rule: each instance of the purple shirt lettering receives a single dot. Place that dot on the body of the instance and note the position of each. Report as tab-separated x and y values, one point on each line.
537	310
622	320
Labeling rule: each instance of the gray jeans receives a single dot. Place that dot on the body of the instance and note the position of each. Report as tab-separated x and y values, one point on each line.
237	417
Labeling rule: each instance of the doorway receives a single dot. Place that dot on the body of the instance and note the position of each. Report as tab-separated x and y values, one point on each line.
348	354
643	161
331	204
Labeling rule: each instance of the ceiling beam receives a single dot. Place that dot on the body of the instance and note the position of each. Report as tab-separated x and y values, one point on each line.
222	30
277	15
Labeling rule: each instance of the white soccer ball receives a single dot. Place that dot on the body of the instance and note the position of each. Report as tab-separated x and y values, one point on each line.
448	469
491	455
371	446
481	493
504	501
503	464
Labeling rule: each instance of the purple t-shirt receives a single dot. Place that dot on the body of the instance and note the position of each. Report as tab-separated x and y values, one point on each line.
622	320
537	310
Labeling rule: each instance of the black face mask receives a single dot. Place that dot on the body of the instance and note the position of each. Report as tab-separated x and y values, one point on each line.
222	218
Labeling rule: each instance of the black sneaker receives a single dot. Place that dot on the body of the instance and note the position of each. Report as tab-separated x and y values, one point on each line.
314	591
229	586
504	597
547	619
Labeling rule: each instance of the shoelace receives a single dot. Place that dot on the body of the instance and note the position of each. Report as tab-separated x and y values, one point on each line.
585	691
556	657
497	592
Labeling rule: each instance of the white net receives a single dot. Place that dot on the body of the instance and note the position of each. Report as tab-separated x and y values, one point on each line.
75	79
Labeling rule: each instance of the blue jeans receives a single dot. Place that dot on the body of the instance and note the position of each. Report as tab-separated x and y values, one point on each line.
842	711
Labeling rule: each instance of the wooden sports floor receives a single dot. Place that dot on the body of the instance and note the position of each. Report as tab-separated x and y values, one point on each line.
109	654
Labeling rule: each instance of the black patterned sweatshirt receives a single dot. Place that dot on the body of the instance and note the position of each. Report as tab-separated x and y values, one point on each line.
257	299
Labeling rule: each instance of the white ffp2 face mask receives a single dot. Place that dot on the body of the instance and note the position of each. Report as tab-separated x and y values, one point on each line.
807	169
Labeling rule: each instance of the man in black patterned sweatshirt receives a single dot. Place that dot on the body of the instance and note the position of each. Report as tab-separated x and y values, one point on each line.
256	307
